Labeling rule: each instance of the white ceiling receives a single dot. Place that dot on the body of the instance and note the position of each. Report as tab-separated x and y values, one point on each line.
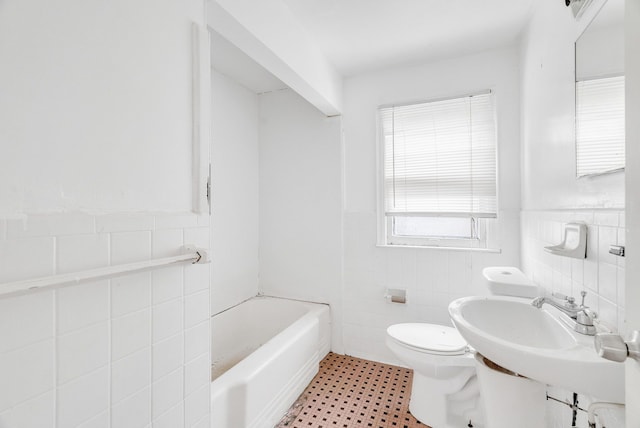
611	15
363	35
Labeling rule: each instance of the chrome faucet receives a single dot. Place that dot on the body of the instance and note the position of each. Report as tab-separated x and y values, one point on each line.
580	315
563	303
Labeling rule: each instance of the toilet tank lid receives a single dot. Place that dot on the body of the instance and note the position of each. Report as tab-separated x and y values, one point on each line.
509	281
439	339
506	275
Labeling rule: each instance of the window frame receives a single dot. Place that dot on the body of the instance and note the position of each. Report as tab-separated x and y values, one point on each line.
478	240
384	226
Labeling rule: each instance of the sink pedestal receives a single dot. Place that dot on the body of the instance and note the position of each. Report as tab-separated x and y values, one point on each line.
509	400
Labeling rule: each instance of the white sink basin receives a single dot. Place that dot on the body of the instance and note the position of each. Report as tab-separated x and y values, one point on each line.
535	343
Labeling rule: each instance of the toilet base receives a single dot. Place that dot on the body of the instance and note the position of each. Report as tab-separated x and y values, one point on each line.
446	403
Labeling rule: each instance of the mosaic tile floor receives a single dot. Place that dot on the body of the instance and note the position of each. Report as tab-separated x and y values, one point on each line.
350	392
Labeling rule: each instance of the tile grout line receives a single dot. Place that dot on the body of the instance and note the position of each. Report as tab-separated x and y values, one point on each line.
152	240
109	336
184	342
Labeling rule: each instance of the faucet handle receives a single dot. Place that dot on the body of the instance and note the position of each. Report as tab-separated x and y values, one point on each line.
586	316
559	295
570	300
583	293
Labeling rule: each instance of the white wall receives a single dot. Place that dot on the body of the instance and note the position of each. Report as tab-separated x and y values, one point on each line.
548	106
98	83
96	117
632	58
234	179
433	278
300	202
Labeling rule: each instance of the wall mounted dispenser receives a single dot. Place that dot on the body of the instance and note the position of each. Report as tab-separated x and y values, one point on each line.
574	243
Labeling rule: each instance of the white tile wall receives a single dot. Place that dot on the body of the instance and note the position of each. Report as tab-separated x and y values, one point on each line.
167	319
82	352
130	333
100	421
168	356
79	307
32	313
172	418
130	293
26	373
35	413
133	411
128	247
40	253
196	407
601	274
432	277
167	243
196	308
168	392
82	399
167	283
128	352
195	340
194	376
94	253
130	374
202	423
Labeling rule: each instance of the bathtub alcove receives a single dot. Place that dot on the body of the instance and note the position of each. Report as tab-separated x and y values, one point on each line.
265	350
264	353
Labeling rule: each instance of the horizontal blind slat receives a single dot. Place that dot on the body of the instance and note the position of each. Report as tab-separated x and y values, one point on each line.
600	122
440	157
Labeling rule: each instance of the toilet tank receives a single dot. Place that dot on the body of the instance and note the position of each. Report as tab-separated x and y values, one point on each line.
509	281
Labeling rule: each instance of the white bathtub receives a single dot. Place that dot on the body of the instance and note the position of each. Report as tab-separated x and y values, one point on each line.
265	351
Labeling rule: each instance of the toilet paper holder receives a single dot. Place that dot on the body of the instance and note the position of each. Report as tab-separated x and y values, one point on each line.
396	295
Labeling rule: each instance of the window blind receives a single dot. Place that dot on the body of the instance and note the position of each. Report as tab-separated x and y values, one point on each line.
440	158
600	134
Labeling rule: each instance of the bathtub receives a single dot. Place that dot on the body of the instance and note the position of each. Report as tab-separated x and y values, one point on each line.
264	353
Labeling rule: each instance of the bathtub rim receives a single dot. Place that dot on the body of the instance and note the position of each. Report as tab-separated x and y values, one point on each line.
254	362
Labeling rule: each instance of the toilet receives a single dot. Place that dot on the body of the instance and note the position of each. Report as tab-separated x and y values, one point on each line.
445	391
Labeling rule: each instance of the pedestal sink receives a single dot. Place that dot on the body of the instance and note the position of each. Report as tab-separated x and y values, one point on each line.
536	344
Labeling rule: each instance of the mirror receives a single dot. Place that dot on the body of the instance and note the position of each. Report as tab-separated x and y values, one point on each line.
599	81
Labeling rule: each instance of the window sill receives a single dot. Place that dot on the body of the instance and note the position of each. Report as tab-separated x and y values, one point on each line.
433	247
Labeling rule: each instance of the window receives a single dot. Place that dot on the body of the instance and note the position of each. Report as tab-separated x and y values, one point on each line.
439	172
600	133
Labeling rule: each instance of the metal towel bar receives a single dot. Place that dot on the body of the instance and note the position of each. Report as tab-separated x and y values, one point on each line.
190	254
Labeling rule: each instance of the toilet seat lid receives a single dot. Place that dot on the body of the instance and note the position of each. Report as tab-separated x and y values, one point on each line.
437	339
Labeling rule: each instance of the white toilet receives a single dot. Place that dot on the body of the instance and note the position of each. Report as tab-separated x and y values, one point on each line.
445	392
